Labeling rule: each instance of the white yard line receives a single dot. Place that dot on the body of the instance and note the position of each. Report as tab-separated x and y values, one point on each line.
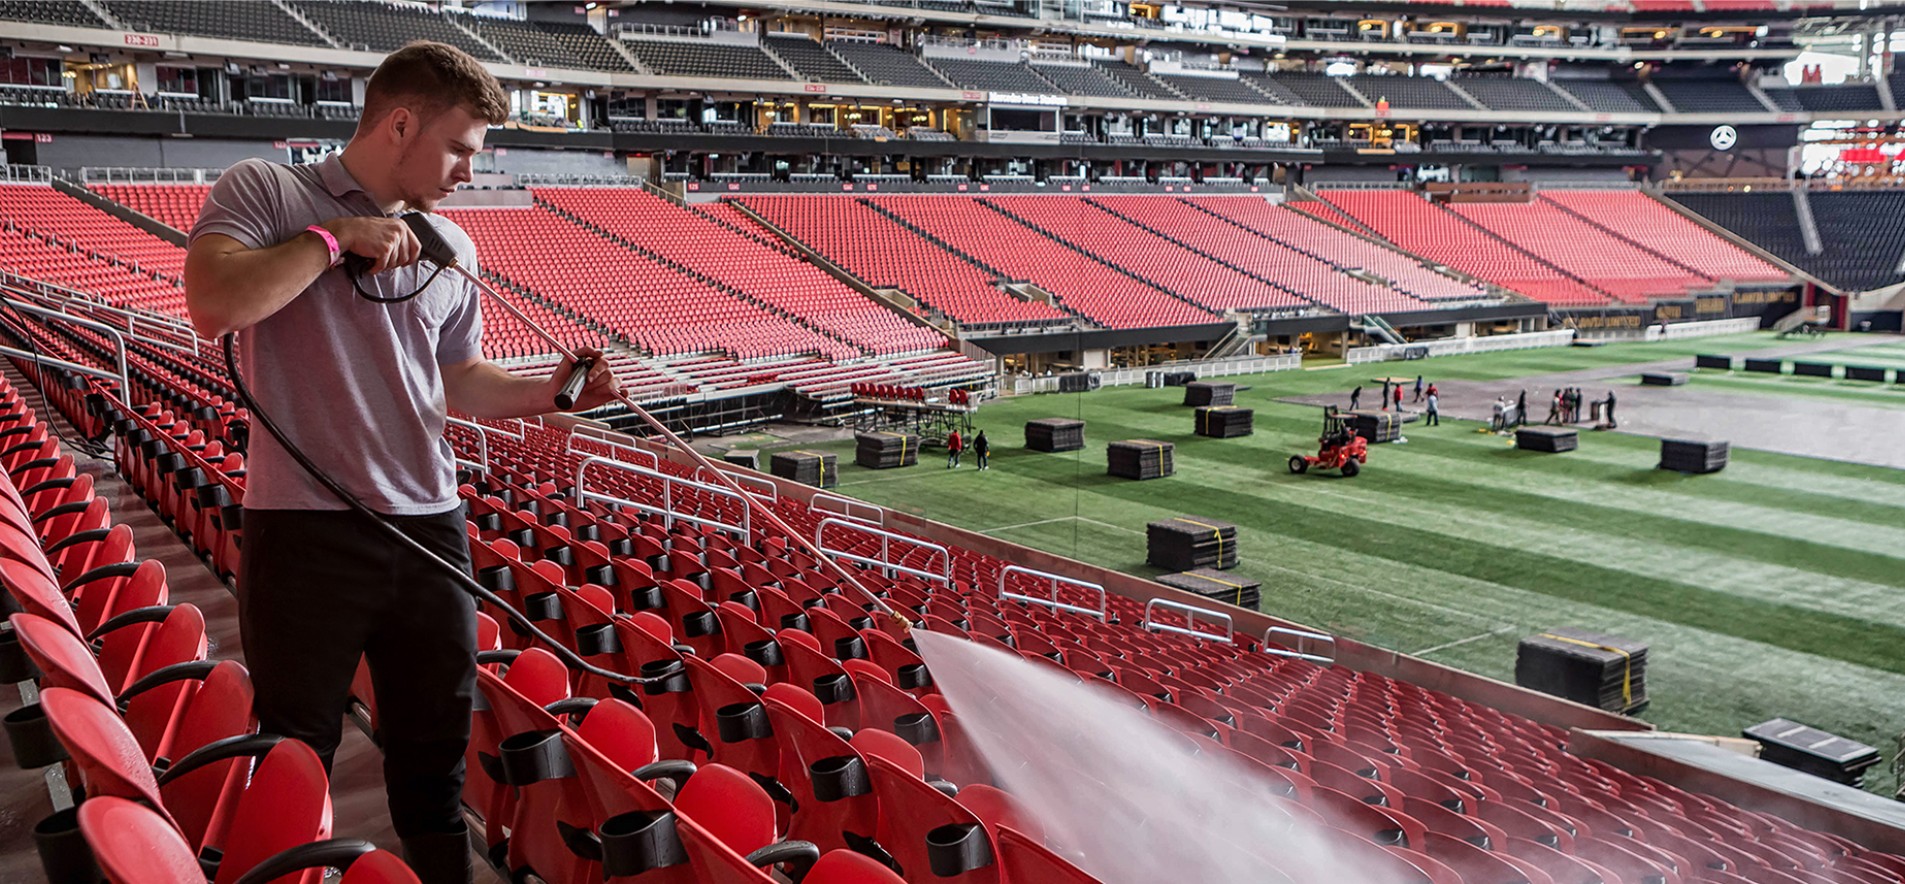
1062	519
1466	615
1027	524
1460	641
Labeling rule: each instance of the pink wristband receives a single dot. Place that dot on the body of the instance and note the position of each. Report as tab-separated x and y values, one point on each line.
330	242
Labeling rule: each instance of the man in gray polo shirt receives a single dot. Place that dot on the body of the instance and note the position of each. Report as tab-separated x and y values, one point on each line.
363	387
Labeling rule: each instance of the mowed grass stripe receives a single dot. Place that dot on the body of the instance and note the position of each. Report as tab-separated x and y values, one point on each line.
1851	639
1862	392
1454	475
1630	542
1214	474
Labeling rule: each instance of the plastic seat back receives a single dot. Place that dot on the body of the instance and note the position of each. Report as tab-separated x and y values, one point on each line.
287	803
104	753
1025	860
132	844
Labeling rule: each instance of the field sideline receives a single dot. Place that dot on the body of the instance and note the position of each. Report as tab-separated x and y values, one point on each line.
1774	588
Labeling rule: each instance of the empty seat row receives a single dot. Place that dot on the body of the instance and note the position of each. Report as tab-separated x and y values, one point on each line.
223	18
773	277
683	58
385	27
1415	225
811	59
550	44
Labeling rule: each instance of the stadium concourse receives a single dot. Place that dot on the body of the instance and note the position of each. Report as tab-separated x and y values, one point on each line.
813	238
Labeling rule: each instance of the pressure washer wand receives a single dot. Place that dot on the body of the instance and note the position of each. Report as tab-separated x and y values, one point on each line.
578	377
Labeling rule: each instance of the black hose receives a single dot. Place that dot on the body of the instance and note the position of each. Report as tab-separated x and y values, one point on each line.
468	583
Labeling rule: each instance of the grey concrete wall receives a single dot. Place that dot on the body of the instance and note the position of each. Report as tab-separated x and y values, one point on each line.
527	160
74	151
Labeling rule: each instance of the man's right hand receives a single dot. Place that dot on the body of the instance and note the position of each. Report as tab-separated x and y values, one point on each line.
387	242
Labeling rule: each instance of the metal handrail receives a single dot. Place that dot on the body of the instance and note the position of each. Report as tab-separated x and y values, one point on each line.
1053	581
1190	613
886	550
758	486
120	339
1300	635
820	503
614	447
667	509
482	445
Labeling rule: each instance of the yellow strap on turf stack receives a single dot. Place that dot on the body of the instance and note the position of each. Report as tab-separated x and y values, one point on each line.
1236	586
823	465
1627	662
1213	530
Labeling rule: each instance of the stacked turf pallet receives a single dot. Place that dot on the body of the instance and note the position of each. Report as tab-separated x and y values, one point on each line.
1225	421
885	451
817	468
1184	543
1604	671
1217	585
1209	393
1692	455
1376	426
1139	459
1549	439
1794	745
1055	434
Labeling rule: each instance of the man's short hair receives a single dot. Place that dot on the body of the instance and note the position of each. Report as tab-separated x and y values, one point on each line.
429	79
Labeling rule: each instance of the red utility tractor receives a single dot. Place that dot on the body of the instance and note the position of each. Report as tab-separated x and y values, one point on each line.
1339	448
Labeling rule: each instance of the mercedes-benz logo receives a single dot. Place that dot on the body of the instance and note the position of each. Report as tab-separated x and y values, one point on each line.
1724	137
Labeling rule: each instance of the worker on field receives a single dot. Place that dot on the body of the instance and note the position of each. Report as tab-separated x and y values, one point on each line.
1355	397
954	445
982	450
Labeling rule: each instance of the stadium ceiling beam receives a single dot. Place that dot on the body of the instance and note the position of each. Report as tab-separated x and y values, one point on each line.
1617	54
339	59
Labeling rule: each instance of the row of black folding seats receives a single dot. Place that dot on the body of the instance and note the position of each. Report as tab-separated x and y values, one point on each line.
53	12
692	59
1423	92
1697	96
1609	97
992	76
887	65
384	27
1084	80
544	44
1513	93
214	18
1863	233
811	59
1213	88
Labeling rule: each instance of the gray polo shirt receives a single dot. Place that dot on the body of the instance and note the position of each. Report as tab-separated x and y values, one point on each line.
356	384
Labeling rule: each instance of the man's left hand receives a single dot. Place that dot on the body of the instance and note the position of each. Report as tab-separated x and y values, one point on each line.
601	388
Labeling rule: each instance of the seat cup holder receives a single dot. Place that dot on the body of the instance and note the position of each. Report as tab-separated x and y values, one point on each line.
640	841
64	854
15	667
957	848
31	736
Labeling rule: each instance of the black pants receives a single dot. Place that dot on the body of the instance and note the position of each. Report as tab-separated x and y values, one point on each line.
319	589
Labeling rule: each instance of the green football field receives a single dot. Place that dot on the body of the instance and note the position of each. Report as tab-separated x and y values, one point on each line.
1773	588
